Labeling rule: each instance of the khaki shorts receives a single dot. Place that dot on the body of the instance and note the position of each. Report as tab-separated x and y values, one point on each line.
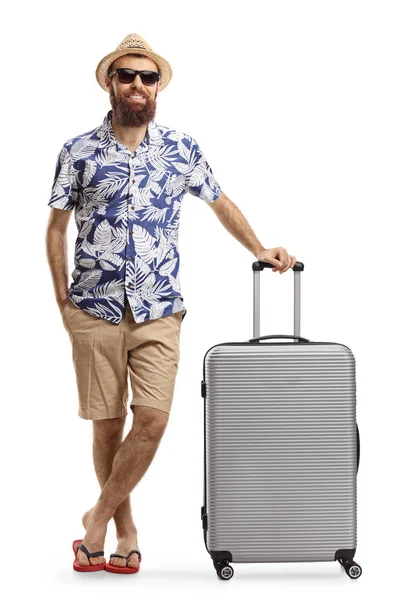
104	353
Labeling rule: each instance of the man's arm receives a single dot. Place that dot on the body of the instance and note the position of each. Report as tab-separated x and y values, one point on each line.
234	221
57	252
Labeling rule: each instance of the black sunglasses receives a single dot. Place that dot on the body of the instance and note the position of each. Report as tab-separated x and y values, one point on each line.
128	75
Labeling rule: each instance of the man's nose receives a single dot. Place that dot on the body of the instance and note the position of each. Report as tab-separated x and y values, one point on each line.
137	82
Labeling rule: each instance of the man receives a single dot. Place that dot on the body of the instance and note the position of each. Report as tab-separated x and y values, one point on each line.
123	311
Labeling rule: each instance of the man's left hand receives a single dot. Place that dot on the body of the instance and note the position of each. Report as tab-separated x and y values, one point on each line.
286	261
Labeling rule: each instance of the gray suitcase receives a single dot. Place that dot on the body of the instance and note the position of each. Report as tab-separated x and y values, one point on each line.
281	448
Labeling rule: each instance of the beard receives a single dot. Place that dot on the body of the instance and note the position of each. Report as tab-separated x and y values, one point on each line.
132	114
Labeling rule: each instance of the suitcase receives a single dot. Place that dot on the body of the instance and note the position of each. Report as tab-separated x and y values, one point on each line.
281	448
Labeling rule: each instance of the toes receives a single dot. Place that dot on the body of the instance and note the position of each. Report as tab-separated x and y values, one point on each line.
133	563
94	560
82	558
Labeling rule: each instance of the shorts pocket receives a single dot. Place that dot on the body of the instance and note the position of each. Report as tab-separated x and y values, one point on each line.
65	307
179	315
68	310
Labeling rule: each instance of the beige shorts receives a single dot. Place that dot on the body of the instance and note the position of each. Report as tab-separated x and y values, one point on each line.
104	353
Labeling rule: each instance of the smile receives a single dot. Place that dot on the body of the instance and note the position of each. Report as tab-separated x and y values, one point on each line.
136	98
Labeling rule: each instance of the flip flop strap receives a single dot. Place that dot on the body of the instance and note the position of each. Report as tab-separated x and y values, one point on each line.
127	556
90	554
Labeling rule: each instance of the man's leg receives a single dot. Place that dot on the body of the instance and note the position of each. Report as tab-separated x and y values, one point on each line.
107	438
131	461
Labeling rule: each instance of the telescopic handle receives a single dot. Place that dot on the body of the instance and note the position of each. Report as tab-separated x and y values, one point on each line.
258	266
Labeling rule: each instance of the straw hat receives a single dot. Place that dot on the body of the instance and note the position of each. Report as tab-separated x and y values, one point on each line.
136	44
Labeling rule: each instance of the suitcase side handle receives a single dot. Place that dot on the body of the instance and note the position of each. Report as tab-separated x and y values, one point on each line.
271	337
358	447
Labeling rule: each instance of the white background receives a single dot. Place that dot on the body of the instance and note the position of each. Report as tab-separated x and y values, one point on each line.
296	107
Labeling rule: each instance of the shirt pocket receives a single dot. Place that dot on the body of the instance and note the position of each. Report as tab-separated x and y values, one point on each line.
174	183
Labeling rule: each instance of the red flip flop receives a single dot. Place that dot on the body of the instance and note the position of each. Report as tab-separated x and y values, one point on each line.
77	545
113	569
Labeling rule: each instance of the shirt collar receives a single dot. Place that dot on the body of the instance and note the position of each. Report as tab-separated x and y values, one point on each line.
153	134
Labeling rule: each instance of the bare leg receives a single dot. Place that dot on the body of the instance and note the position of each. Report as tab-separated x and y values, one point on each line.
107	438
130	463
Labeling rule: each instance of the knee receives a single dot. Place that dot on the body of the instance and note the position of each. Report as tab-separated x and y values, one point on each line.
109	428
150	422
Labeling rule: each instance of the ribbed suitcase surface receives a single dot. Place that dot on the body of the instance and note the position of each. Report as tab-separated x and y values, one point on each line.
280	450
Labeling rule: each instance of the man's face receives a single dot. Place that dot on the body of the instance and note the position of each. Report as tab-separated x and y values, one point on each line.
131	112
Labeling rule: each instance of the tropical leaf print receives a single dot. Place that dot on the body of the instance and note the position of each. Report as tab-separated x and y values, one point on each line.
102	235
157	310
156	175
89	279
88	263
152	213
83	148
111	261
109	290
197	177
183	151
127	212
180	166
142	197
109	158
107	187
86	228
88	172
167	268
142	266
144	243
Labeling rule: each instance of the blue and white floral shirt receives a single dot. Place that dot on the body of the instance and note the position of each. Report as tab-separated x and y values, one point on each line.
127	209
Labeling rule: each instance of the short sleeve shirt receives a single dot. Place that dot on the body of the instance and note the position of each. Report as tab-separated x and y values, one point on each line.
127	209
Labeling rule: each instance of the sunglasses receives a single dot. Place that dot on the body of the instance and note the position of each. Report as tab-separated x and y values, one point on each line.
128	75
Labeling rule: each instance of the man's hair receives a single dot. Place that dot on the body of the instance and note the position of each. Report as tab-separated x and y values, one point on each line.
111	67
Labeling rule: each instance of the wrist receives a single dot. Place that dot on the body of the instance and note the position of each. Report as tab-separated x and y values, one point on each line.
258	251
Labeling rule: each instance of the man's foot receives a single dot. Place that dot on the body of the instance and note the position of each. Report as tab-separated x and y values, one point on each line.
93	540
125	545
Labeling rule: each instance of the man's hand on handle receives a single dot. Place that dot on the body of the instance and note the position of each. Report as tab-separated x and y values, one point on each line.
277	256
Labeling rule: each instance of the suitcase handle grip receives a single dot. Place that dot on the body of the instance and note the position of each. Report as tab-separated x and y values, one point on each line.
270	337
260	266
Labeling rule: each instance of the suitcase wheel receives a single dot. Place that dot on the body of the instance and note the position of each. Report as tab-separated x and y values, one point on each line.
353	570
225	571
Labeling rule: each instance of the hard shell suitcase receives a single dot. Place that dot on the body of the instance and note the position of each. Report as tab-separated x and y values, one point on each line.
281	448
